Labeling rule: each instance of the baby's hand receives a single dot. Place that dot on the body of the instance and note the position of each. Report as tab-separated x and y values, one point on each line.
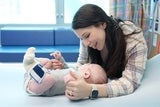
57	55
58	61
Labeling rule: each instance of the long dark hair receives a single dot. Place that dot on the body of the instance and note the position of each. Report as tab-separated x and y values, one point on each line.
91	14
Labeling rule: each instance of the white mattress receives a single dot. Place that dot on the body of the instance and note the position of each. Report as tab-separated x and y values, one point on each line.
13	95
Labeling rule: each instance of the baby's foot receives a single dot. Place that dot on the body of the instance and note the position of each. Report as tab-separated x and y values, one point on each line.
29	59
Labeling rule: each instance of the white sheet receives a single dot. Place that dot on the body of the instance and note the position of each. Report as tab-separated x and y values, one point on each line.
13	95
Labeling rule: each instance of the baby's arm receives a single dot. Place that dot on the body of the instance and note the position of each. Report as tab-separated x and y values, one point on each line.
58	56
47	63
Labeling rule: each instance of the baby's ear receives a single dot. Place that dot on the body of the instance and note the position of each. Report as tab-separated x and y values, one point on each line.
86	74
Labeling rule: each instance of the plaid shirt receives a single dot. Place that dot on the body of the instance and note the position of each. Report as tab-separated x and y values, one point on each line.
136	55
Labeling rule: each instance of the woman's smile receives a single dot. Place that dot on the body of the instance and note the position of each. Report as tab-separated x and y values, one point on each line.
95	46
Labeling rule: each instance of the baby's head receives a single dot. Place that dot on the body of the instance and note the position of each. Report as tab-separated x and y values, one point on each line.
93	73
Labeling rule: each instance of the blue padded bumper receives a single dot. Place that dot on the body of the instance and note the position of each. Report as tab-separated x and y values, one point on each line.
16	40
16	53
21	36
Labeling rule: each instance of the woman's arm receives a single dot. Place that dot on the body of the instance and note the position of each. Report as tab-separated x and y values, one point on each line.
80	89
83	55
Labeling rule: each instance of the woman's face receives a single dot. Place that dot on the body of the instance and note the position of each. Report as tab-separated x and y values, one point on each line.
92	36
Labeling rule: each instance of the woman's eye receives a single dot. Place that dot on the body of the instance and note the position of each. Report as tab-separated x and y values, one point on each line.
87	36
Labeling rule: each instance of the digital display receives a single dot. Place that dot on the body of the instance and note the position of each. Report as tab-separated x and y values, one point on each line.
38	70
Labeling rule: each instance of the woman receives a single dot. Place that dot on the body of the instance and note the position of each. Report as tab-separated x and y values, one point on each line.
118	46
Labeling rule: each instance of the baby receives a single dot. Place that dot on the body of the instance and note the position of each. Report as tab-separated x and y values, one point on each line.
41	79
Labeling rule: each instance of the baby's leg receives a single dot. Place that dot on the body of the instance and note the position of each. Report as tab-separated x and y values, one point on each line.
38	89
32	86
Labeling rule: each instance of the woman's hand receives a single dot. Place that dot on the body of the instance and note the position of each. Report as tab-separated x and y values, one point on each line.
78	88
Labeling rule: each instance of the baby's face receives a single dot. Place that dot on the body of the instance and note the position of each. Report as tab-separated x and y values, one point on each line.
89	68
81	72
85	71
86	67
68	78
